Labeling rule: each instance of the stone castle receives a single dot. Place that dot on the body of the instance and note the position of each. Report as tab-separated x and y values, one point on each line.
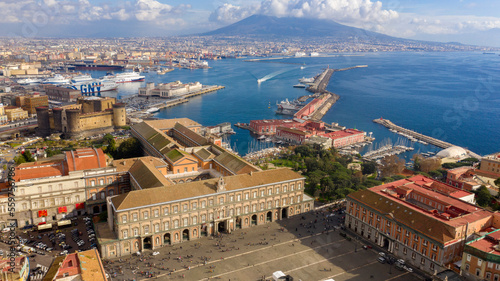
89	116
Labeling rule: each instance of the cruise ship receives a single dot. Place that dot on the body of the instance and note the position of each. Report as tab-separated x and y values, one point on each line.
94	87
28	81
58	79
82	78
124	77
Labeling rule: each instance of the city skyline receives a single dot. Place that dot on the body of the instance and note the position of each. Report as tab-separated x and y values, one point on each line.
468	22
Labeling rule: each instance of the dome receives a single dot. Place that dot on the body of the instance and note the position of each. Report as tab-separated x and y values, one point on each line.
455	152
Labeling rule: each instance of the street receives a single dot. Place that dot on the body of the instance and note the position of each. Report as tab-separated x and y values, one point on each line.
299	246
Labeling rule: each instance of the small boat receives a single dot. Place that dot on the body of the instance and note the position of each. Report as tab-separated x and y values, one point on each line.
262	137
299	86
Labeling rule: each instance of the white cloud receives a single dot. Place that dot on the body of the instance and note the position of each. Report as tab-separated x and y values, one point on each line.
366	14
228	13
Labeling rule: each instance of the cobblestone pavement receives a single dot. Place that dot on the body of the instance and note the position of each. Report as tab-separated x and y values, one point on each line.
299	246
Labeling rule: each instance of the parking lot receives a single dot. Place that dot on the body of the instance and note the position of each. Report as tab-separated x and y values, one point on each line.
45	245
307	247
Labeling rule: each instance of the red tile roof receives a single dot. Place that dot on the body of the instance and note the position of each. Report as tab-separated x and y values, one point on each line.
85	158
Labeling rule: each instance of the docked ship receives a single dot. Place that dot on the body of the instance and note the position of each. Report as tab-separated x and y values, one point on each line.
28	81
124	77
288	108
306	80
58	79
81	78
299	86
94	87
96	66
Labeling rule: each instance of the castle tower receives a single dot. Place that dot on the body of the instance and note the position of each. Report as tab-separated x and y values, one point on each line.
57	115
42	113
119	115
73	123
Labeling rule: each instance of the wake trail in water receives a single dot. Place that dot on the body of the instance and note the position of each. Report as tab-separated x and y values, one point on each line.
273	74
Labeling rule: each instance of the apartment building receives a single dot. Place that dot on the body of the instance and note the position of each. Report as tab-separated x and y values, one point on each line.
415	221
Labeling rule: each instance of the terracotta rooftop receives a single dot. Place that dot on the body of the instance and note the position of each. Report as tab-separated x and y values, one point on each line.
152	196
42	169
85	159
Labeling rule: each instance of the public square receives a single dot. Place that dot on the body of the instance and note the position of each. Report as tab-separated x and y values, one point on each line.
298	246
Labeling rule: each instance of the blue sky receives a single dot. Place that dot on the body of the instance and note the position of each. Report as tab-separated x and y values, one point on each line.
470	22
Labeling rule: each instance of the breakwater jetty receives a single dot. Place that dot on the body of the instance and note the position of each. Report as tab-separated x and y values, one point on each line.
418	136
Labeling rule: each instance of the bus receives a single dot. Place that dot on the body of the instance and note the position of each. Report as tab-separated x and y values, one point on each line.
44	228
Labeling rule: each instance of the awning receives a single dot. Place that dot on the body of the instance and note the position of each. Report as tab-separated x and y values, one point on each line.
45	226
278	275
63	223
458	264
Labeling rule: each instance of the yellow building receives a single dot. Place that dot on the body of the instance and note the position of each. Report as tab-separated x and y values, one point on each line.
3	117
15	113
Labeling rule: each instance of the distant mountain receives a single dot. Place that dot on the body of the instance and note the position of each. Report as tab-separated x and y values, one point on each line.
268	26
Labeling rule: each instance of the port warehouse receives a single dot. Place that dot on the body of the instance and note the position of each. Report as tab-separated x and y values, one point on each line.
296	132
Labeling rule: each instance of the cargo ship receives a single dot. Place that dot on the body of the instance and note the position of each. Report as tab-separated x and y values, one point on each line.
97	66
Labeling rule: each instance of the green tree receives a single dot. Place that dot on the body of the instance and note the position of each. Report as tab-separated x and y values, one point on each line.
483	196
19	159
369	168
27	156
110	141
128	149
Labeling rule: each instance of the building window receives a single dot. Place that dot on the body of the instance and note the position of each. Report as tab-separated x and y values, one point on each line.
298	199
231	198
468	257
194	205
488	275
156	213
277	203
124	219
165	211
166	225
405	250
262	193
238	197
422	261
292	186
157	228
269	191
221	200
125	234
262	206
211	216
299	186
238	211
176	209
185	222
146	229
284	188
136	231
110	180
94	196
495	277
479	262
246	196
111	192
184	208
134	216
195	220
211	202
424	242
203	204
176	223
103	195
434	247
284	201
101	182
50	188
277	190
203	218
92	183
145	215
246	209
269	204
255	194
413	255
